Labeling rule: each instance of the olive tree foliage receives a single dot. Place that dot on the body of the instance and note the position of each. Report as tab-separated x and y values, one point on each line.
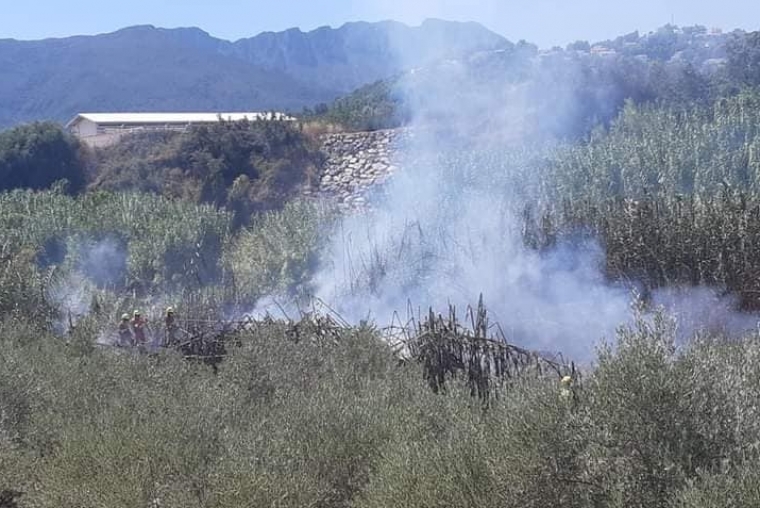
649	425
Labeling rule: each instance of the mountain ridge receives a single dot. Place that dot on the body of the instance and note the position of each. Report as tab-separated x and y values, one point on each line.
144	67
194	28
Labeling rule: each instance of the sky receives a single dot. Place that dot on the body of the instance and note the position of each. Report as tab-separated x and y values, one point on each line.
543	22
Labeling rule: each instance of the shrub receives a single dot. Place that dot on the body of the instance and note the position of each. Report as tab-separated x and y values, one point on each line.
35	156
246	166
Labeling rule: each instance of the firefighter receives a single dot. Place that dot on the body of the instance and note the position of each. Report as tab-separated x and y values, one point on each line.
125	334
171	327
138	328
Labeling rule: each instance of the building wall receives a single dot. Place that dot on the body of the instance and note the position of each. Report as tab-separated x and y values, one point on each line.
85	128
101	134
101	140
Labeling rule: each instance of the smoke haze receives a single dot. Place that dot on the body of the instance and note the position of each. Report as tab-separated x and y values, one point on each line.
449	226
92	265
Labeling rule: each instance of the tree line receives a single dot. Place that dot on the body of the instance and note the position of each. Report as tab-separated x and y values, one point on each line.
245	166
670	67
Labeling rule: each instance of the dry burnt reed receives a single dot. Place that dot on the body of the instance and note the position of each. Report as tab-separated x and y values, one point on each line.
481	354
208	340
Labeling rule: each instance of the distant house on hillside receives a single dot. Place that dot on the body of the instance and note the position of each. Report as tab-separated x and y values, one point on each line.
98	129
600	50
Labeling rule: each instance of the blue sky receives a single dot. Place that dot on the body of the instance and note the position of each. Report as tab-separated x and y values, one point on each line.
545	22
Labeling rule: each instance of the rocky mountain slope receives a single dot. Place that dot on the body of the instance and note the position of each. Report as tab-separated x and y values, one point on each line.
145	68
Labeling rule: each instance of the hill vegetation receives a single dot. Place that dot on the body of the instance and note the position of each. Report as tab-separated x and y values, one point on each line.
35	156
247	167
674	195
675	66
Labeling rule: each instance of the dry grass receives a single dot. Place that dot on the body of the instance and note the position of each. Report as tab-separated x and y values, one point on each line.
314	129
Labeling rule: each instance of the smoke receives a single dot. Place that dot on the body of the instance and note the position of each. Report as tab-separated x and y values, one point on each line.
72	297
702	310
90	267
441	238
271	307
449	228
103	262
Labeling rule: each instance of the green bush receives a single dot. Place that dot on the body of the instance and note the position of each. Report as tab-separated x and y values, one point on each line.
119	240
278	253
245	166
37	155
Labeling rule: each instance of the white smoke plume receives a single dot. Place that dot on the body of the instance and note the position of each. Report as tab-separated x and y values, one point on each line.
72	296
104	262
432	243
89	266
449	229
702	310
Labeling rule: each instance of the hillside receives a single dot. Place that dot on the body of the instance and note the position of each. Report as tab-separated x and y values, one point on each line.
145	68
676	65
549	298
137	69
359	53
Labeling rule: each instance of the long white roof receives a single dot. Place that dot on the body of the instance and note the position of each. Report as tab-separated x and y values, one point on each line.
160	118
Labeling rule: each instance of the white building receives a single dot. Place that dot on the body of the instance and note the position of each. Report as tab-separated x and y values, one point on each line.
600	50
100	129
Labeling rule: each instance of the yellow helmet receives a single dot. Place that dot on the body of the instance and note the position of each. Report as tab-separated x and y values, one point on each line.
125	317
170	310
136	313
566	380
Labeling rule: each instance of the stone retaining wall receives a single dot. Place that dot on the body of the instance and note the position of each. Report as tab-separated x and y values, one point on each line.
358	162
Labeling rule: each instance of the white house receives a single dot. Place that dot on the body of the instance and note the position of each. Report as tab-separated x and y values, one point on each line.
104	128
